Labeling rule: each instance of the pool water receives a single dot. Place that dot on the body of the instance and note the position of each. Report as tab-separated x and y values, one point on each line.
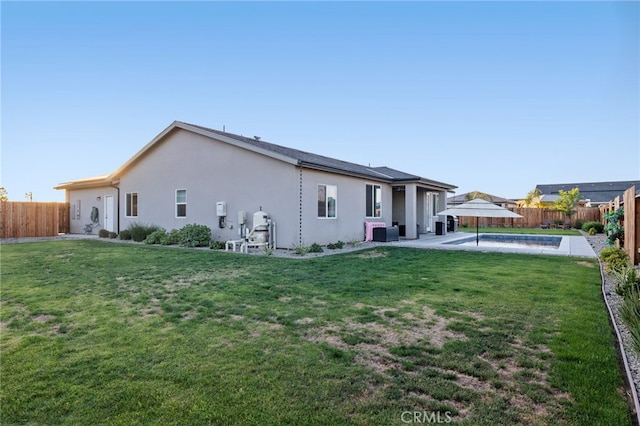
511	241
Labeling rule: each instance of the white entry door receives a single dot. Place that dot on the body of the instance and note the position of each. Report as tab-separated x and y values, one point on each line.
109	214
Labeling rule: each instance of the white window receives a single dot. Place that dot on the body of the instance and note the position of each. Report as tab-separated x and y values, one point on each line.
374	200
131	204
327	201
181	203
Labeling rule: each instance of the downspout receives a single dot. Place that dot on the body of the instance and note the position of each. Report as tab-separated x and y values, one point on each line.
117	208
300	210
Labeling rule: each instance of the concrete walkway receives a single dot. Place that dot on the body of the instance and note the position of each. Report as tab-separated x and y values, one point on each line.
570	245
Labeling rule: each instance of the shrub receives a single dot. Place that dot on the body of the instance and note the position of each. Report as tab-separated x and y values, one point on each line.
333	246
578	224
103	233
301	250
628	280
125	234
217	245
155	237
112	235
630	313
193	235
597	225
592	231
315	248
615	258
140	231
614	228
170	238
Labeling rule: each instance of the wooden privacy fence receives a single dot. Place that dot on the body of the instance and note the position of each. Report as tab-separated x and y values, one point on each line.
532	218
631	221
33	219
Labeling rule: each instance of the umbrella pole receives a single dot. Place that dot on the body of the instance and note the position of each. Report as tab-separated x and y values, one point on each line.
477	237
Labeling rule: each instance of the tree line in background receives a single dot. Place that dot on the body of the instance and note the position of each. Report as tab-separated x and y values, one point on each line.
4	195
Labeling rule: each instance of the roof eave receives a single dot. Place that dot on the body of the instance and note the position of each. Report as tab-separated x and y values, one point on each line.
319	167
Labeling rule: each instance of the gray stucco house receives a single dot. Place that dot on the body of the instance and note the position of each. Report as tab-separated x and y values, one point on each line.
188	173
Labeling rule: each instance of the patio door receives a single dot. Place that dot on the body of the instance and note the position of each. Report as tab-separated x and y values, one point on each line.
431	206
109	214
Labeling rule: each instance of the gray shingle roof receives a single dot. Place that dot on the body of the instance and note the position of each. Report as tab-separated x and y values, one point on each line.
597	192
321	161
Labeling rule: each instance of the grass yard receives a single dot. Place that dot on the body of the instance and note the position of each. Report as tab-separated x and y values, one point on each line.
95	332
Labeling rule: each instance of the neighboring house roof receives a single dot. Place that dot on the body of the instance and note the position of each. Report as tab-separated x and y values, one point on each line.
462	198
290	155
596	192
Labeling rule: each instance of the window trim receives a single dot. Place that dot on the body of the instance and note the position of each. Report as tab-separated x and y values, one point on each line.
128	205
373	201
181	203
326	202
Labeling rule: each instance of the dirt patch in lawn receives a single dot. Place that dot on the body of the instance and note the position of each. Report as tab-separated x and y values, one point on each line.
521	378
371	254
43	318
587	264
371	341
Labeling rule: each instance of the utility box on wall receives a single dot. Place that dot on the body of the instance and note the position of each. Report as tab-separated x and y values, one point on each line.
221	208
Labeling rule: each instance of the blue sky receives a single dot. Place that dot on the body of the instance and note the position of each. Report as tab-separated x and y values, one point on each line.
489	96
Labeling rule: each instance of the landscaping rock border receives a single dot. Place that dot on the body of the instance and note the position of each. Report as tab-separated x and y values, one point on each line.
630	358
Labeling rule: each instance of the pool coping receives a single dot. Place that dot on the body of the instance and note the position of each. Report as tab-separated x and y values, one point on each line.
569	246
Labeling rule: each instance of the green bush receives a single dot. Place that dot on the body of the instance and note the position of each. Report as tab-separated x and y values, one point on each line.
170	238
592	231
615	258
627	278
156	237
301	250
315	248
103	233
333	246
193	235
630	313
579	224
614	228
125	235
112	235
217	245
597	225
141	231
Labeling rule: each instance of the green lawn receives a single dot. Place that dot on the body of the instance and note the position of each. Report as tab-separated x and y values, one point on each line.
95	332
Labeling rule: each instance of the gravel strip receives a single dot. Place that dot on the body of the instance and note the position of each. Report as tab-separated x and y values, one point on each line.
598	242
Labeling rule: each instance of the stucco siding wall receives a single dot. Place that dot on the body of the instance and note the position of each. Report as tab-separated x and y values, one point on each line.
351	208
82	201
210	171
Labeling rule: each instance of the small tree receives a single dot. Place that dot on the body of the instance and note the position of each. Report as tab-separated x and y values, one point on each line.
477	194
4	196
568	201
533	198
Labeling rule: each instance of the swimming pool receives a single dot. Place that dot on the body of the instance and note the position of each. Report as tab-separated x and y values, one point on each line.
511	241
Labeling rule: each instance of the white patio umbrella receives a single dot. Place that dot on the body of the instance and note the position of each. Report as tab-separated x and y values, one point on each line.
479	208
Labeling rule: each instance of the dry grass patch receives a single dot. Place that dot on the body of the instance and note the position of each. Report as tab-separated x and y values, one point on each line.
43	318
373	254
